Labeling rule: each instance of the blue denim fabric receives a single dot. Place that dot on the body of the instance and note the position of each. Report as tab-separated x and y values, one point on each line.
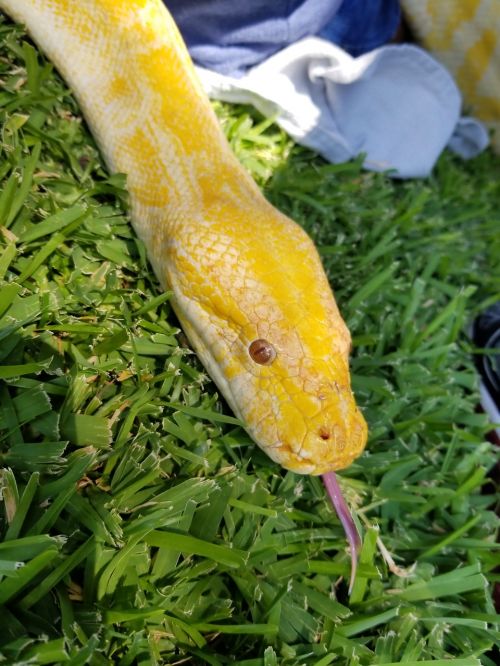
362	25
230	36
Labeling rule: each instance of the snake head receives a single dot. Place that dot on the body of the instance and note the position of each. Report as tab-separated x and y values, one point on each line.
262	318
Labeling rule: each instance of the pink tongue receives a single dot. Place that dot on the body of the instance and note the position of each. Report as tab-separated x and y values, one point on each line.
338	501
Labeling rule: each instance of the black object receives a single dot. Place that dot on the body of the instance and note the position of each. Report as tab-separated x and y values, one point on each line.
486	337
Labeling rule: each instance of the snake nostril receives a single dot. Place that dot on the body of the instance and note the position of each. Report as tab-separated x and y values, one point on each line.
324	434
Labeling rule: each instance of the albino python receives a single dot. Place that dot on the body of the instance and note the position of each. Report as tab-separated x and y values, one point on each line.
465	36
248	285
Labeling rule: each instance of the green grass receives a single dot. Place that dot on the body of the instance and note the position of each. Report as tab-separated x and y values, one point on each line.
139	524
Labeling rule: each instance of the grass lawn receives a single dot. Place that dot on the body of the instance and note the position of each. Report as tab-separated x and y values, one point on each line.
138	522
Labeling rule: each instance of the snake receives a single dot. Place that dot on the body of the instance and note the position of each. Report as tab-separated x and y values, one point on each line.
247	282
464	35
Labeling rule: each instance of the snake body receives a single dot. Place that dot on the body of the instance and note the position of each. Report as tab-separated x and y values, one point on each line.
248	285
465	36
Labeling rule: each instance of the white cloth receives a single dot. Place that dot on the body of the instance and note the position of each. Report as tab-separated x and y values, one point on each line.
396	104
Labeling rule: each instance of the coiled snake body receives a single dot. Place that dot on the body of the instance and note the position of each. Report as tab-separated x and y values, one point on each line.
248	285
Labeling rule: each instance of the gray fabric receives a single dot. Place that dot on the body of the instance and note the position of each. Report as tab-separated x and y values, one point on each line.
395	104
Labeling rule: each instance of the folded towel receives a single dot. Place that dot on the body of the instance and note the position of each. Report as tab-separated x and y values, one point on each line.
396	104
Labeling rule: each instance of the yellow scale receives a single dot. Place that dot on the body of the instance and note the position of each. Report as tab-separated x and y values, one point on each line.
465	36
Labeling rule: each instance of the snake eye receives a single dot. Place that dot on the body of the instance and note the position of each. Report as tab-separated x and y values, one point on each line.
262	352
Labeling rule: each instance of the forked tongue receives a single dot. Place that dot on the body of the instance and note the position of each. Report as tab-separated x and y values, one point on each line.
340	506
